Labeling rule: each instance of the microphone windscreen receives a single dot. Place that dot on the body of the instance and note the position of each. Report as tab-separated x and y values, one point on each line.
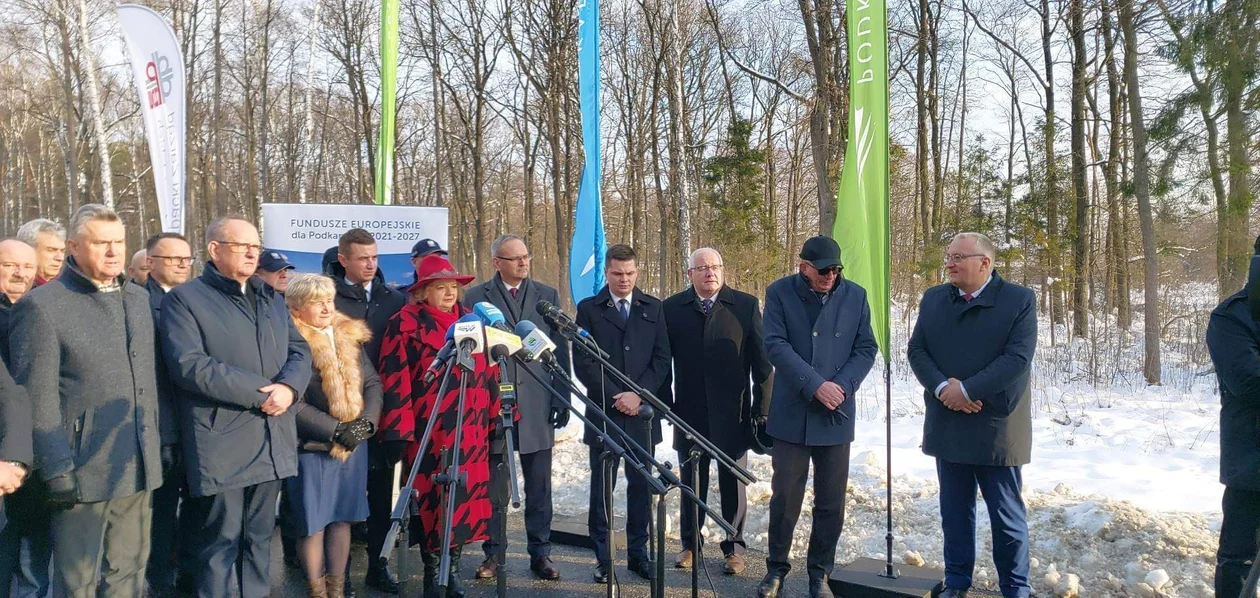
524	327
450	332
489	314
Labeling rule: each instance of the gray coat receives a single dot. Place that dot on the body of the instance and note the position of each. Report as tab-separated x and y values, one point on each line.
987	344
839	346
86	358
219	351
534	431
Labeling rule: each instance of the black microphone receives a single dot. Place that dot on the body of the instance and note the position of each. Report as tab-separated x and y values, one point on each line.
646	411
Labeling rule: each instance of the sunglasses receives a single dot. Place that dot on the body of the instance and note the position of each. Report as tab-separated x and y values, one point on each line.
828	271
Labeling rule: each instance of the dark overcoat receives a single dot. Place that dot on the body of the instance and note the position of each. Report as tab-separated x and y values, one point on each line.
15	426
839	347
534	431
639	347
86	359
219	351
721	373
1233	340
988	344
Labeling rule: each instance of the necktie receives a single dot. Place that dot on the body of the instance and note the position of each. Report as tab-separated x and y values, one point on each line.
706	305
623	306
512	292
967	297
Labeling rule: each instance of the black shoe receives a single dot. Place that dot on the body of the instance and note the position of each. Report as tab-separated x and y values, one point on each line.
949	592
380	578
601	573
818	588
643	568
770	584
544	568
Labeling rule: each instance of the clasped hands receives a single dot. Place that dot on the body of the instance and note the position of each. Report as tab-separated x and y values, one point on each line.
952	396
350	434
279	399
627	403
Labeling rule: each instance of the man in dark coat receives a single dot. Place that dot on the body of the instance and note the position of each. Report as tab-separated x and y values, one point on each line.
237	363
819	338
716	339
17	276
629	325
170	264
972	350
517	295
16	453
25	546
1233	340
83	347
362	294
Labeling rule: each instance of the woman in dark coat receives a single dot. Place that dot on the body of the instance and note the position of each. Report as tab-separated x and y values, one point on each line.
340	410
412	340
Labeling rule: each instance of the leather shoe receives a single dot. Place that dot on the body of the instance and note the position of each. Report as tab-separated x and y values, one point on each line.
643	568
601	573
685	559
734	564
770	585
544	568
949	592
818	588
488	568
380	578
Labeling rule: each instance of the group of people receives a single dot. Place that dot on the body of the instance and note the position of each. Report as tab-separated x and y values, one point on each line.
151	422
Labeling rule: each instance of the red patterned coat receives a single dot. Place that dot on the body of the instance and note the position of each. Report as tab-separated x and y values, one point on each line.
411	341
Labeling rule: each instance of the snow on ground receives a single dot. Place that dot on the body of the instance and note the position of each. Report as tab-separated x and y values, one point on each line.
1122	493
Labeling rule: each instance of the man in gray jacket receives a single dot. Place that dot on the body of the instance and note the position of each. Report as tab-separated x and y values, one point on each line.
237	363
83	346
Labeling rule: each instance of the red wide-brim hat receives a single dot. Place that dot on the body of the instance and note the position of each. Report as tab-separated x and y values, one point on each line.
435	267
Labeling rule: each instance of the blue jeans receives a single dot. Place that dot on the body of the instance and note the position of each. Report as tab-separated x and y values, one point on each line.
1000	487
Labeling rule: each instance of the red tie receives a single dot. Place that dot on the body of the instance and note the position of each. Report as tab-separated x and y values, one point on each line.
967	297
512	292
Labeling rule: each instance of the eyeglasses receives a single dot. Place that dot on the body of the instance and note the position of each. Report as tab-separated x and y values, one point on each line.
241	247
707	269
520	259
958	257
173	260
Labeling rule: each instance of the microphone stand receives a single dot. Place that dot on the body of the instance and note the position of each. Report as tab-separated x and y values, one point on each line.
660	487
452	478
400	518
507	412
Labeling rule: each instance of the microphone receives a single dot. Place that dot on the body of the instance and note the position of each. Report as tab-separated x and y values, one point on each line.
536	344
470	337
447	352
555	315
501	342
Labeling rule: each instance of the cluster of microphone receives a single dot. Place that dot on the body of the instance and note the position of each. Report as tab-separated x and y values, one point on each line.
486	331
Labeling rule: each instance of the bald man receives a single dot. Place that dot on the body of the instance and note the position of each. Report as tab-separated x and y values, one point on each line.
138	269
17	274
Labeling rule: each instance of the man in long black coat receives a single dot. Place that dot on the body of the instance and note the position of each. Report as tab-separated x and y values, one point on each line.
629	325
237	363
972	350
517	295
1233	340
722	382
15	438
362	294
170	264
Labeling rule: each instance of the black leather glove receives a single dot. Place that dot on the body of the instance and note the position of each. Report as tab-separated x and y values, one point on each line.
559	417
170	459
63	490
350	434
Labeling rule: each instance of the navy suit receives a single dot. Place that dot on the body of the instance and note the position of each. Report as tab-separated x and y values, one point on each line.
1233	340
987	343
639	347
811	339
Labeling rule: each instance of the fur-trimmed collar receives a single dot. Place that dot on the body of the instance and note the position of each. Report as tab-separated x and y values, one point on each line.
340	371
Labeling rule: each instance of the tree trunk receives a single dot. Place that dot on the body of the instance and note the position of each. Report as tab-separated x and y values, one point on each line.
94	105
1081	234
1141	188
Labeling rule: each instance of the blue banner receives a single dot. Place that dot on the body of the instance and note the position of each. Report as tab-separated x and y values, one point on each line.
586	254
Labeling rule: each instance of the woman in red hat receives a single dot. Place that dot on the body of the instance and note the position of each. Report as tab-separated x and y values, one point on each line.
411	342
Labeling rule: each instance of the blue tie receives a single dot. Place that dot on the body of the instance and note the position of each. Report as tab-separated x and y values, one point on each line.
624	308
706	305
